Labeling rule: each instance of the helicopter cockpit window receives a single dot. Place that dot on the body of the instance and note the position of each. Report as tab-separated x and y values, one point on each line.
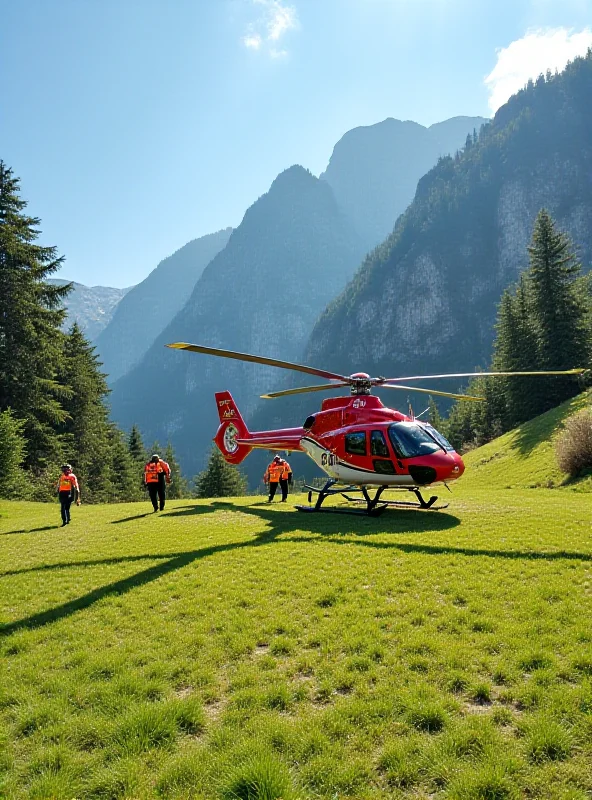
355	443
442	441
378	445
409	440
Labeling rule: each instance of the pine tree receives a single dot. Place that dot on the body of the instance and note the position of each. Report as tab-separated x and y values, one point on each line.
13	482
220	479
30	319
139	457
86	430
557	309
136	447
178	487
124	482
433	414
515	349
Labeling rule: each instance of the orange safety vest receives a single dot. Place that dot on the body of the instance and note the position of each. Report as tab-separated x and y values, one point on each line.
274	472
67	482
153	471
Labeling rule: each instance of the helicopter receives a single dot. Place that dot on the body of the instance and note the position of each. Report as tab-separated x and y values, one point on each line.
359	443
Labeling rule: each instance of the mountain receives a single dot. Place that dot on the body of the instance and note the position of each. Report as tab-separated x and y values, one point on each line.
374	170
425	300
90	306
148	308
292	253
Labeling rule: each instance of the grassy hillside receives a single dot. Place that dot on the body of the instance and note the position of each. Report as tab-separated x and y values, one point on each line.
226	645
525	457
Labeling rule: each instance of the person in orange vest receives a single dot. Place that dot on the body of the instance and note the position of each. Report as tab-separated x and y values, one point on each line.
278	473
157	474
68	490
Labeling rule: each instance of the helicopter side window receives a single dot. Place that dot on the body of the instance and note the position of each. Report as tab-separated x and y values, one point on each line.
410	440
355	443
378	445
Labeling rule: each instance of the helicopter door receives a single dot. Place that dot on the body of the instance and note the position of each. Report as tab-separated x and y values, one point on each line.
381	457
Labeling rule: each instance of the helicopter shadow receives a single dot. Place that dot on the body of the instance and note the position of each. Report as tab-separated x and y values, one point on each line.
284	519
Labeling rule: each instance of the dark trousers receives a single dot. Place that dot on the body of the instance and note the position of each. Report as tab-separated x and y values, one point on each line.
157	490
273	485
65	503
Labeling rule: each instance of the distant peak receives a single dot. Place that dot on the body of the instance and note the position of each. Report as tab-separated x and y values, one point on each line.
294	175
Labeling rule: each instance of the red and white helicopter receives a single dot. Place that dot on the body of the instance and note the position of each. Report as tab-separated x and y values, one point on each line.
357	441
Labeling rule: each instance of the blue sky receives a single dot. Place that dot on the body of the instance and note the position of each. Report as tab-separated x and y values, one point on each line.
138	125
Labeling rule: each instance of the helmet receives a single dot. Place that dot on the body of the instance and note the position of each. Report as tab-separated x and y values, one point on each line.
277	458
65	467
155	457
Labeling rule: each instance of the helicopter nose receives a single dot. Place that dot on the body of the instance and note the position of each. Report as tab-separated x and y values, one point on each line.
457	466
448	466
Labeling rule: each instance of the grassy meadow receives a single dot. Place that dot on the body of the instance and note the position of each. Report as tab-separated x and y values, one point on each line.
232	649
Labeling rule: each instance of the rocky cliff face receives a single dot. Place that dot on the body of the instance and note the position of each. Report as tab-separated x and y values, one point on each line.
292	253
91	307
374	170
148	308
426	299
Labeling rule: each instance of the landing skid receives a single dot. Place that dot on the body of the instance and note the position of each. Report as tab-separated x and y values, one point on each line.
374	505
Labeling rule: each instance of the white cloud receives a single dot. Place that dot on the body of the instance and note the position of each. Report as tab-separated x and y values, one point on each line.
537	51
274	22
252	41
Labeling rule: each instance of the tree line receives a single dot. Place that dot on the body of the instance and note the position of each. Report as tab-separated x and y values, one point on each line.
53	394
544	322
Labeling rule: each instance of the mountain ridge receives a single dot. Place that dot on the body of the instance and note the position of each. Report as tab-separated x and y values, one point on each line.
426	298
149	307
293	250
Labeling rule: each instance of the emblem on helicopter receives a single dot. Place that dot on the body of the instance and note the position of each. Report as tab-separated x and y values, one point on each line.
230	434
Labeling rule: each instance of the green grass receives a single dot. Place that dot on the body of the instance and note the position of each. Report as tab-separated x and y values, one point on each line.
525	457
238	650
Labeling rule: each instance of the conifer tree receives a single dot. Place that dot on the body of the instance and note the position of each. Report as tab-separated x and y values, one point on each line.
125	485
135	445
86	431
30	319
433	414
178	487
139	457
557	309
13	483
220	479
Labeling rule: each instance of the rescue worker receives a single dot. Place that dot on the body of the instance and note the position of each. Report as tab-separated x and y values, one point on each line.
156	473
285	478
68	490
278	473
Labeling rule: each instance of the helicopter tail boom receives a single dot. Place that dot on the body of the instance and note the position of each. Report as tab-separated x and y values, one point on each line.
235	441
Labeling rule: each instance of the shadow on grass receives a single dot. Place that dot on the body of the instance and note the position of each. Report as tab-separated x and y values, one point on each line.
131	519
339	530
31	530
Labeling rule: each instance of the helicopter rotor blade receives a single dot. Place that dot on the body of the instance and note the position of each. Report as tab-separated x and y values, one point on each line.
271	362
486	375
322	388
468	397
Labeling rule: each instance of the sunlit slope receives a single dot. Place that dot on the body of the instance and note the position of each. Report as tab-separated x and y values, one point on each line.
525	457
